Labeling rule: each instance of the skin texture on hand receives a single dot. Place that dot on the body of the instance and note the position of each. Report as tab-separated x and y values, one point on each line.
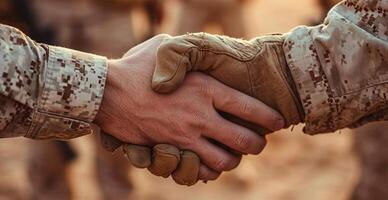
133	113
143	157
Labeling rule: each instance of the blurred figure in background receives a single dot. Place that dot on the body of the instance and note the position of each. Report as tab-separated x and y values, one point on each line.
326	5
371	147
81	25
43	181
155	15
195	15
372	150
153	10
84	26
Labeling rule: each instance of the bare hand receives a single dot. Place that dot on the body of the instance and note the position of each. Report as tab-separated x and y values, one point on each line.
187	118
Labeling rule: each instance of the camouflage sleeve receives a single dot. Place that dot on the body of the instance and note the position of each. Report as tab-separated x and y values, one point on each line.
341	67
47	92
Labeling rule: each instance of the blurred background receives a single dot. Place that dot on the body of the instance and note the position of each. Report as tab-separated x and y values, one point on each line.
294	166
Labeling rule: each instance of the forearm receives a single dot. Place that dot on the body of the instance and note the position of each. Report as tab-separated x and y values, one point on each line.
51	92
340	67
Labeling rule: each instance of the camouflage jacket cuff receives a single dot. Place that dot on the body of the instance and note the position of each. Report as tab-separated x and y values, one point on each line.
73	85
310	80
340	66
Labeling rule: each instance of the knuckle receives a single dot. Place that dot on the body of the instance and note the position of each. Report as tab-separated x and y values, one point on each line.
243	142
194	119
181	134
187	143
245	106
203	84
206	88
222	164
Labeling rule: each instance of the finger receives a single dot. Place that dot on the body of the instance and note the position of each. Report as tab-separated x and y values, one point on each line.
234	136
232	151
139	156
188	169
206	174
249	125
245	107
165	159
109	142
216	158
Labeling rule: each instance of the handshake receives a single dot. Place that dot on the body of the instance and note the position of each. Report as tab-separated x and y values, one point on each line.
175	121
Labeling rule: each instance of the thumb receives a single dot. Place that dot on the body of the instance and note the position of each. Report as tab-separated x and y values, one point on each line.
178	55
172	62
198	52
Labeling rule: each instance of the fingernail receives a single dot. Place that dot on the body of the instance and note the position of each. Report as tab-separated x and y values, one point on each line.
279	124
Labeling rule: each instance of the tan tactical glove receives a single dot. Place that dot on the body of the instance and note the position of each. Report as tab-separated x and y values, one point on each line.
257	67
163	160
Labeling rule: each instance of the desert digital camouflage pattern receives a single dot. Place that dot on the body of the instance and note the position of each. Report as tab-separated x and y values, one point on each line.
47	92
341	67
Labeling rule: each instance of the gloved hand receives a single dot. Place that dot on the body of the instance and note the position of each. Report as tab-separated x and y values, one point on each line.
257	67
163	160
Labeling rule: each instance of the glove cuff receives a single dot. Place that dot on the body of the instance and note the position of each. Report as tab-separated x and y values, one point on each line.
277	88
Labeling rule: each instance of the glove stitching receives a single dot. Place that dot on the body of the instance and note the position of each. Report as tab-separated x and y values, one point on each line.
201	50
202	47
